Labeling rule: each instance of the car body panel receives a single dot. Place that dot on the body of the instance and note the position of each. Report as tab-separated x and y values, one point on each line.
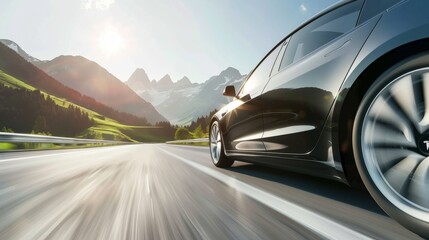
311	126
299	97
402	24
242	127
314	107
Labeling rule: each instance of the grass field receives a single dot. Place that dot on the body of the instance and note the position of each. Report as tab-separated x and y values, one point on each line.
104	127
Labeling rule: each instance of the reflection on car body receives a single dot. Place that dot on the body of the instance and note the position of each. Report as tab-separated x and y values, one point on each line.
345	96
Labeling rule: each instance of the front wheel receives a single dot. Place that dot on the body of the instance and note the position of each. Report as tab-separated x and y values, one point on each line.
391	143
217	153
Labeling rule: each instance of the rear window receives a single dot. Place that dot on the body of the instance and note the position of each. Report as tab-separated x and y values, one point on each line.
321	31
374	7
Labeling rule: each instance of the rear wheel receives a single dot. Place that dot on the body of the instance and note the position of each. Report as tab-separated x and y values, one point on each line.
391	142
216	147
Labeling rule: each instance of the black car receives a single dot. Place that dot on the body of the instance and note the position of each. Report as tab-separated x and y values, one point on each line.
345	96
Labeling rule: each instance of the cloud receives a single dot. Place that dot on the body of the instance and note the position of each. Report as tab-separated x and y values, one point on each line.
302	7
97	4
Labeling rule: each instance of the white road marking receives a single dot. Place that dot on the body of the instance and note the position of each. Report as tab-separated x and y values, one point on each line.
37	156
319	224
86	151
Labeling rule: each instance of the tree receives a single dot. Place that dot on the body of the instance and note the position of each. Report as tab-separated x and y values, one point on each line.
182	134
40	124
5	129
198	132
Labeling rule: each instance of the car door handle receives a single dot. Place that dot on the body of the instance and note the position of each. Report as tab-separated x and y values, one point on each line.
338	48
223	114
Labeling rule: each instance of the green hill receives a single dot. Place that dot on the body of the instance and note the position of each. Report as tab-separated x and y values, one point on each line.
102	127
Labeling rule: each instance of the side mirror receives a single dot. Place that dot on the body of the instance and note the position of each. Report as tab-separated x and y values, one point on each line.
229	91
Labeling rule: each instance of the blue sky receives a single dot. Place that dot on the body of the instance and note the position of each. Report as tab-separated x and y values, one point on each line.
194	38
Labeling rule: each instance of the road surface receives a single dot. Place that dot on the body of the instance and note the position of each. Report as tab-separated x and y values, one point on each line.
158	191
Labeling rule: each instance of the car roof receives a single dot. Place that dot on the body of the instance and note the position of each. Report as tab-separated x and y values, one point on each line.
334	6
321	13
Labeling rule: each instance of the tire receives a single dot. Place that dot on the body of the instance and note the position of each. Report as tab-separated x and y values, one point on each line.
391	142
217	153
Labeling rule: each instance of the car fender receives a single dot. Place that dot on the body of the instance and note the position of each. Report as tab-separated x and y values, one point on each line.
405	29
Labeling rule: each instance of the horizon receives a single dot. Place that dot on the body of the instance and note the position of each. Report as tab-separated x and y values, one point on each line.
178	38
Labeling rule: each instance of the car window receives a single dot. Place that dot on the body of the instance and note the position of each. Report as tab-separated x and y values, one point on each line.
321	31
372	8
255	83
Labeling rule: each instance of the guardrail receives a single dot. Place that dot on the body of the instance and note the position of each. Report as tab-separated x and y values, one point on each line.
19	141
190	141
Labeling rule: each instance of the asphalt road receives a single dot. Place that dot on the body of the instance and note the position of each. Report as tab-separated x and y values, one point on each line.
158	191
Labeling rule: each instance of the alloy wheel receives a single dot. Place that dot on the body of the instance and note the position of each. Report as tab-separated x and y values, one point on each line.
394	142
215	143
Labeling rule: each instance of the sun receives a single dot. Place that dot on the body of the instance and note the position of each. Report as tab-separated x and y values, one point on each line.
111	41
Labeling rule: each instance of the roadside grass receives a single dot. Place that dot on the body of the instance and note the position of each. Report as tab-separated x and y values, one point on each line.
104	128
150	134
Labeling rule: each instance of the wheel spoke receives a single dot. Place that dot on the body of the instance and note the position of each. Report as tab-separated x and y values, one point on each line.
418	191
399	175
214	133
403	93
425	121
215	143
386	113
388	158
382	134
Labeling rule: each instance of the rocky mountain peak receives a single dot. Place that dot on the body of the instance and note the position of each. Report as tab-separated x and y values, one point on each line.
139	80
185	81
14	46
166	80
230	73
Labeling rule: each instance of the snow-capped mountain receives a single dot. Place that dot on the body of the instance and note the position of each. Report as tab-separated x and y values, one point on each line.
139	81
12	45
182	102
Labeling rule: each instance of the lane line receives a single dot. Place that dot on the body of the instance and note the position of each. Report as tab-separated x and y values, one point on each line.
311	220
71	153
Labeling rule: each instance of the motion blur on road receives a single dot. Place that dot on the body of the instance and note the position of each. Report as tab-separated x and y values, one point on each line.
173	192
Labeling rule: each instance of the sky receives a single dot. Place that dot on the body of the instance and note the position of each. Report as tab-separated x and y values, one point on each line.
193	38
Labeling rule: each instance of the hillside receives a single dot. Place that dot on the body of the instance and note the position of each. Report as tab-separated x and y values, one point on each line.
16	66
100	127
91	79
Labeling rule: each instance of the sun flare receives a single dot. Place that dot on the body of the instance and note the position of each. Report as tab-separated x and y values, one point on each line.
111	41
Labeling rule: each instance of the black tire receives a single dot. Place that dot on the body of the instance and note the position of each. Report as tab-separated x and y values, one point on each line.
389	142
217	153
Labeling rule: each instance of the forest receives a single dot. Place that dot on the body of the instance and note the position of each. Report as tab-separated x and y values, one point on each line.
198	128
28	111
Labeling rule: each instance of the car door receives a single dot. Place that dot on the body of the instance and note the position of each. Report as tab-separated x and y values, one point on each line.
300	93
242	122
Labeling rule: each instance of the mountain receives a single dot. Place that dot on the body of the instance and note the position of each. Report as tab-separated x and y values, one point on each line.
139	80
12	45
182	102
14	65
164	83
91	79
184	82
